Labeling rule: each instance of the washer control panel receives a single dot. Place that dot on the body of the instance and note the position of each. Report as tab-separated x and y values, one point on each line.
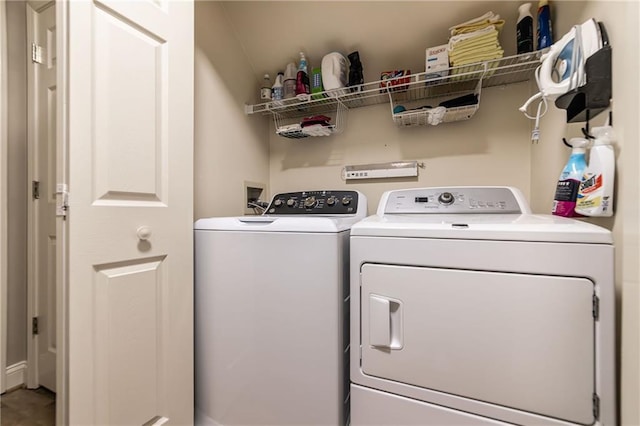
326	203
455	200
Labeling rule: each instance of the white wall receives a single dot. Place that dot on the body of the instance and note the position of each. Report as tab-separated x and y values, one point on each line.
230	147
621	19
17	182
492	148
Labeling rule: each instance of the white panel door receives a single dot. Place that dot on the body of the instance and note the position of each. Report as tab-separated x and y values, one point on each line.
130	216
516	340
42	169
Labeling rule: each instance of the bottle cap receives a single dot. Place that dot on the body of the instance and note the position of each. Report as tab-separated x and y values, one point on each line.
604	135
524	9
290	71
578	143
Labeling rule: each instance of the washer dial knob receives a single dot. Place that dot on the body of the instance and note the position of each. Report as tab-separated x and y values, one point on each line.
310	202
446	198
331	201
277	202
291	202
346	201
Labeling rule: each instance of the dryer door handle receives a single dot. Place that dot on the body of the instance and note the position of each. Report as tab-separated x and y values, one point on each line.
385	322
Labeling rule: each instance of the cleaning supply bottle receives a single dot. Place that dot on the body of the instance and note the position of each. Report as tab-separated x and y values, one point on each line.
265	90
545	35
595	195
524	29
290	81
564	201
302	79
277	90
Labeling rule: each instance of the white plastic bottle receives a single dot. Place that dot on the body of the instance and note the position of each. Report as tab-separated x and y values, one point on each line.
277	90
524	29
595	196
265	90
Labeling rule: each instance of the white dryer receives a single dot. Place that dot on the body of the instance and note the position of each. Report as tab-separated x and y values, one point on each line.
272	312
467	309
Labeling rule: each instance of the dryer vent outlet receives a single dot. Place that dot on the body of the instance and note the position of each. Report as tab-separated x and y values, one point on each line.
254	194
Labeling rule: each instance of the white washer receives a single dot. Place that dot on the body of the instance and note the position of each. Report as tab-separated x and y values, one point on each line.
271	328
468	310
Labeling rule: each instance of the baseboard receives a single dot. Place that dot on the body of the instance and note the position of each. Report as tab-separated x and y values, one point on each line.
16	375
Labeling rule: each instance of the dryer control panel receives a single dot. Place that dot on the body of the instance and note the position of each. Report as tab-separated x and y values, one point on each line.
452	200
323	203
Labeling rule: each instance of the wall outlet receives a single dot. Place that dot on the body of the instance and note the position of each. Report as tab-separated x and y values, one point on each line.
253	192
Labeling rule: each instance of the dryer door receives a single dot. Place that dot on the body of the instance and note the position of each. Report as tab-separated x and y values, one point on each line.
516	340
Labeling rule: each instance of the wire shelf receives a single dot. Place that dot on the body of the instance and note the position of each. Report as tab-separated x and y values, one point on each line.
433	116
463	79
291	126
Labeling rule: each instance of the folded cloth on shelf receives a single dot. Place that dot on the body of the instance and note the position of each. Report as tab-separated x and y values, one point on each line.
485	46
436	115
488	33
289	128
476	46
480	56
478	23
316	130
317	119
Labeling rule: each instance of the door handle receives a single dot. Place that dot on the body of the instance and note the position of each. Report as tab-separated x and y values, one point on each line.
385	322
143	233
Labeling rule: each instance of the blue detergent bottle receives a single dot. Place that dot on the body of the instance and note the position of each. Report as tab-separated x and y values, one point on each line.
564	201
544	32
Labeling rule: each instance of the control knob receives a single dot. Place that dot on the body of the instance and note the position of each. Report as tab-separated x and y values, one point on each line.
446	198
346	201
291	202
277	202
331	201
309	202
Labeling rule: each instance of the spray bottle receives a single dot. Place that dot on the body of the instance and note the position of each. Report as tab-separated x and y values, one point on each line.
595	195
303	88
564	201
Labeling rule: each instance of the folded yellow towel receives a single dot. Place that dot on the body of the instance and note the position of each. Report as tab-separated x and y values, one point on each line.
474	48
471	44
480	57
471	28
477	24
487	33
480	47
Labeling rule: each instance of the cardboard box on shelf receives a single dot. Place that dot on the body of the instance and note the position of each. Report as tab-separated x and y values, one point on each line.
437	62
396	79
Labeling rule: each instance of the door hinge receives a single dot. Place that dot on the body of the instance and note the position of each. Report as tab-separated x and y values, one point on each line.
595	310
62	201
34	326
36	53
596	406
35	190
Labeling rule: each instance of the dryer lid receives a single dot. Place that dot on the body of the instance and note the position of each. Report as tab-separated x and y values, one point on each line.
498	227
473	212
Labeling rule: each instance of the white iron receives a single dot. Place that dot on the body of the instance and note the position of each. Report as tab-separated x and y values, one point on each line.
563	66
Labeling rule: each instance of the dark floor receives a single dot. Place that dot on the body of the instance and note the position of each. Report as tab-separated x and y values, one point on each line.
28	407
